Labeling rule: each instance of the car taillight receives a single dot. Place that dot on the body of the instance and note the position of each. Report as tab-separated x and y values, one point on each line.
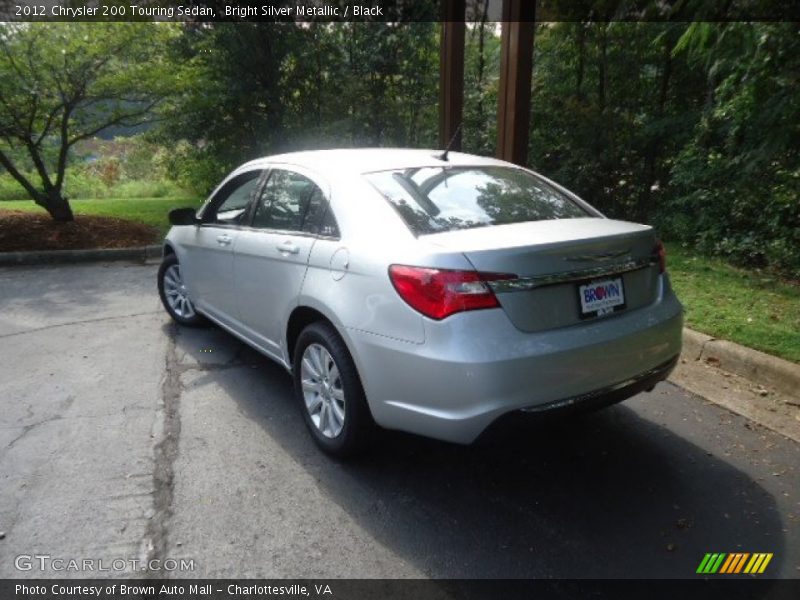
439	293
661	254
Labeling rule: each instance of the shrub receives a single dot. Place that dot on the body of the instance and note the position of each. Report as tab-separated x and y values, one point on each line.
147	189
10	189
194	169
723	208
122	168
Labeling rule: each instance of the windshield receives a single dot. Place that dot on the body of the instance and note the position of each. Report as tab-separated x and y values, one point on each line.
436	199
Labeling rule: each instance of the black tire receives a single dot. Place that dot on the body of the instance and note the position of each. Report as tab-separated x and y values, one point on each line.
196	320
358	427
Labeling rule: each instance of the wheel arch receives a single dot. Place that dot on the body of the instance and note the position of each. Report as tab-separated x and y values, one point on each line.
304	315
301	317
309	311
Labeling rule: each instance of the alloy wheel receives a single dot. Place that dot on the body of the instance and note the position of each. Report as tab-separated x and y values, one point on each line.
322	390
176	294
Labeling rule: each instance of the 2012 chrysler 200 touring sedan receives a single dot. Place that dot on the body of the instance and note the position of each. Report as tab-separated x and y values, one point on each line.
424	292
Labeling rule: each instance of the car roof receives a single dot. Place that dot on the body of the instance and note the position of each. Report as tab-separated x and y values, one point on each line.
355	161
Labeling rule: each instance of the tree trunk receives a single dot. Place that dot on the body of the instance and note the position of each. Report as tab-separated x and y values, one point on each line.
602	68
653	146
57	205
351	34
482	61
580	68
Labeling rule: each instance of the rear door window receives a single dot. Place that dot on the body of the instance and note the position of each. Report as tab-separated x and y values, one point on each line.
290	201
283	201
319	219
436	199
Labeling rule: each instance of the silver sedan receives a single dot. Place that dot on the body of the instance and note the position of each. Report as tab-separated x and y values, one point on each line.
424	292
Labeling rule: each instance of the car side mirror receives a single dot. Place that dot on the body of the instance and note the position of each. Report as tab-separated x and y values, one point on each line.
183	216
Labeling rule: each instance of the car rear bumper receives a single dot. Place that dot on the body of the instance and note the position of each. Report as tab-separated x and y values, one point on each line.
611	394
476	366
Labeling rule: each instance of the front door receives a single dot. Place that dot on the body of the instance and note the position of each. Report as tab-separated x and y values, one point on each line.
210	260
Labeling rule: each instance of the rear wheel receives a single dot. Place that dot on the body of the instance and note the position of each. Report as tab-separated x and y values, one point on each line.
329	391
173	293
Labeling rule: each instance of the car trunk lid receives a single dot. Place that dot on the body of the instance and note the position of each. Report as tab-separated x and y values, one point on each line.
553	259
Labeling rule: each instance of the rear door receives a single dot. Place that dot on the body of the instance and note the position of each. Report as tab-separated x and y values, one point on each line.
209	250
272	253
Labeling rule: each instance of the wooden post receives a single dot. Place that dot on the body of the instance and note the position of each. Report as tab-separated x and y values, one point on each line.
451	72
514	94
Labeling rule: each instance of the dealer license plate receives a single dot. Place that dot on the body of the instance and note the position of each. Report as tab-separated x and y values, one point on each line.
601	297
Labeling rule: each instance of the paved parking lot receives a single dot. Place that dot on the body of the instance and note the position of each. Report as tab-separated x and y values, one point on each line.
123	436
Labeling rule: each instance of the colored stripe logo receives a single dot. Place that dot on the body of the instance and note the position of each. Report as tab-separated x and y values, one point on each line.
737	562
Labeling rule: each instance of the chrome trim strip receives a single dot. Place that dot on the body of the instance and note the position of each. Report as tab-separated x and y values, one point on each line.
597	257
523	284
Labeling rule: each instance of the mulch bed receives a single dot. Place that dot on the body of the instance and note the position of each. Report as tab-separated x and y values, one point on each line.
21	231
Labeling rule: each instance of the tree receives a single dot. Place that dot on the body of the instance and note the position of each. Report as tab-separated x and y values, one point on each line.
265	88
612	108
736	180
61	83
481	74
690	126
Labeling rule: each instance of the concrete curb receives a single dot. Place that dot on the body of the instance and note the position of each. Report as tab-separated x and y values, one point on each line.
758	367
141	254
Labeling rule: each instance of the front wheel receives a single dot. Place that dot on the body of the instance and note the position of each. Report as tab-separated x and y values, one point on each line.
173	293
329	391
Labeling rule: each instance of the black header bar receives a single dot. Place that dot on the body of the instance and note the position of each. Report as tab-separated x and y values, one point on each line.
391	10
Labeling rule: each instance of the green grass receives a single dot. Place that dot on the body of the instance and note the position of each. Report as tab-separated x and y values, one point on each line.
84	185
151	211
749	307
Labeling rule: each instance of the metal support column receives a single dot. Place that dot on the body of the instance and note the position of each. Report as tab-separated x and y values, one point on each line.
451	72
514	94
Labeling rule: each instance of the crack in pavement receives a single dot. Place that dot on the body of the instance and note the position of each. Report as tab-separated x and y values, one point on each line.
703	347
70	323
26	429
166	449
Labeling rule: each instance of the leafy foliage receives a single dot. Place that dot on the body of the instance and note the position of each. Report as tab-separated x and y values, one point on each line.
736	182
692	126
61	83
283	87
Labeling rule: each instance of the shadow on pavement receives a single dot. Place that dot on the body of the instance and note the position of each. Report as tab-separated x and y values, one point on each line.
604	495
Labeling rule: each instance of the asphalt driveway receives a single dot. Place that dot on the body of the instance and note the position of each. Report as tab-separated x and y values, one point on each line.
123	436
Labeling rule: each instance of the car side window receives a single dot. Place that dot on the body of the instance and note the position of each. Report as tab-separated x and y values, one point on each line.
233	199
319	218
290	202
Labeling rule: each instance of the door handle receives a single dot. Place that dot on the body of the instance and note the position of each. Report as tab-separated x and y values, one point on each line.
223	240
287	247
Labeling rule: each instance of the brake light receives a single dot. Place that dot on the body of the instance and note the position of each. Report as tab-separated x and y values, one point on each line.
661	254
439	293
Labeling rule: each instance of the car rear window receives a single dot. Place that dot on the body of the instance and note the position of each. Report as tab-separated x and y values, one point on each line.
436	199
